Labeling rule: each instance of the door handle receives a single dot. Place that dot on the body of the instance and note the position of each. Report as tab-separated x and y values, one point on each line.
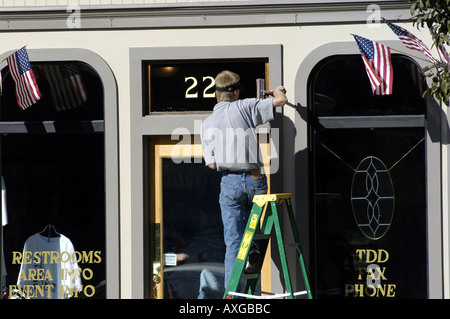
156	279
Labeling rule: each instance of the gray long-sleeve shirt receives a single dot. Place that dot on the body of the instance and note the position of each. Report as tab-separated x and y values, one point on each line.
228	134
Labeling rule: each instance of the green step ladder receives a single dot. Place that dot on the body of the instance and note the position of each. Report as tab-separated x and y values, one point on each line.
266	204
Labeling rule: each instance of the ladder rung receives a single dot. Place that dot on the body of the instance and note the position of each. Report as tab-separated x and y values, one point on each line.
299	293
271	296
292	245
261	236
250	276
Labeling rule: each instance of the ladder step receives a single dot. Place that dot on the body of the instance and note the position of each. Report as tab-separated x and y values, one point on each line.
250	276
270	296
261	237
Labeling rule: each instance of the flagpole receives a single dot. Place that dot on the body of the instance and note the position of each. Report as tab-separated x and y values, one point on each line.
408	54
413	56
13	53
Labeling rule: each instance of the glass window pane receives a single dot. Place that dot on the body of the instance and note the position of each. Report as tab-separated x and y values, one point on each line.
341	88
71	91
368	184
189	86
54	238
54	180
370	215
193	231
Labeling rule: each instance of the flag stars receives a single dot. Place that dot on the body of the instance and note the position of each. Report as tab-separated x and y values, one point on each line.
23	63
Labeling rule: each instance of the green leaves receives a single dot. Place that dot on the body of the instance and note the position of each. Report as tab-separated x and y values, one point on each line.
435	15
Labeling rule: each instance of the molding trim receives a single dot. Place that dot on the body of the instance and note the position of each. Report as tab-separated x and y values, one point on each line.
198	15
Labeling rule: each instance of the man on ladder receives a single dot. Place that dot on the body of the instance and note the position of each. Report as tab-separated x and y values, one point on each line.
224	133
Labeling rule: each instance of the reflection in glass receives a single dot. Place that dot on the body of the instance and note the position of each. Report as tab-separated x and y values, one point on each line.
352	95
71	91
193	232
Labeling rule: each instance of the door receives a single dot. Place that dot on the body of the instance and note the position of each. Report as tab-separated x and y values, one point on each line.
185	231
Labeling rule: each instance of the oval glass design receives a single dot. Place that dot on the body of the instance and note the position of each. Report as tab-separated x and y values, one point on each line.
372	197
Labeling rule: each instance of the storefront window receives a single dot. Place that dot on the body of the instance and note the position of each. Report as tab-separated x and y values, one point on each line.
52	163
368	182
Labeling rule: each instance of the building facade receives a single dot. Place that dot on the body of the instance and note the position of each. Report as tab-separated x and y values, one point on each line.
113	162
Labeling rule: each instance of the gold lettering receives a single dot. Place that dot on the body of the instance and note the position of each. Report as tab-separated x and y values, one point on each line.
75	258
17	257
32	274
23	276
89	275
65	259
48	276
380	254
370	252
370	291
72	292
39	290
360	252
359	290
27	257
98	257
381	272
36	274
348	289
12	291
37	257
46	255
381	289
87	257
29	291
54	256
362	273
391	290
92	288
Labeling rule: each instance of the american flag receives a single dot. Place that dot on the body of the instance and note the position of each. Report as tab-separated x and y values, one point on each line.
377	61
67	88
410	40
27	90
441	48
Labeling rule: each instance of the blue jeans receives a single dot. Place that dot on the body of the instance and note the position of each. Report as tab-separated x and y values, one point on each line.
236	195
210	287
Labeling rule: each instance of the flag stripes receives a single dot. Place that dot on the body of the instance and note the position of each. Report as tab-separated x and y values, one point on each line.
67	88
27	90
410	40
442	50
378	65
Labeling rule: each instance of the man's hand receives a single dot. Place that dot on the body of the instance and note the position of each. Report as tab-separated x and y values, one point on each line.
279	98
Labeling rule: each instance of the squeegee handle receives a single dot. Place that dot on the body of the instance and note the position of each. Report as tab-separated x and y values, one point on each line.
271	92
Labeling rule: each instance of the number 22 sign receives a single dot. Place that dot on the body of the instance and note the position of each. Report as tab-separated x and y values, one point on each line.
207	86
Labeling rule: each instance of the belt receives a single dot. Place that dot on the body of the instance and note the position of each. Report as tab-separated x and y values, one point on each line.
255	173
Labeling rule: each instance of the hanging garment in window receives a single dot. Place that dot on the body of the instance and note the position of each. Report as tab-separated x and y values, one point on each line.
49	269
